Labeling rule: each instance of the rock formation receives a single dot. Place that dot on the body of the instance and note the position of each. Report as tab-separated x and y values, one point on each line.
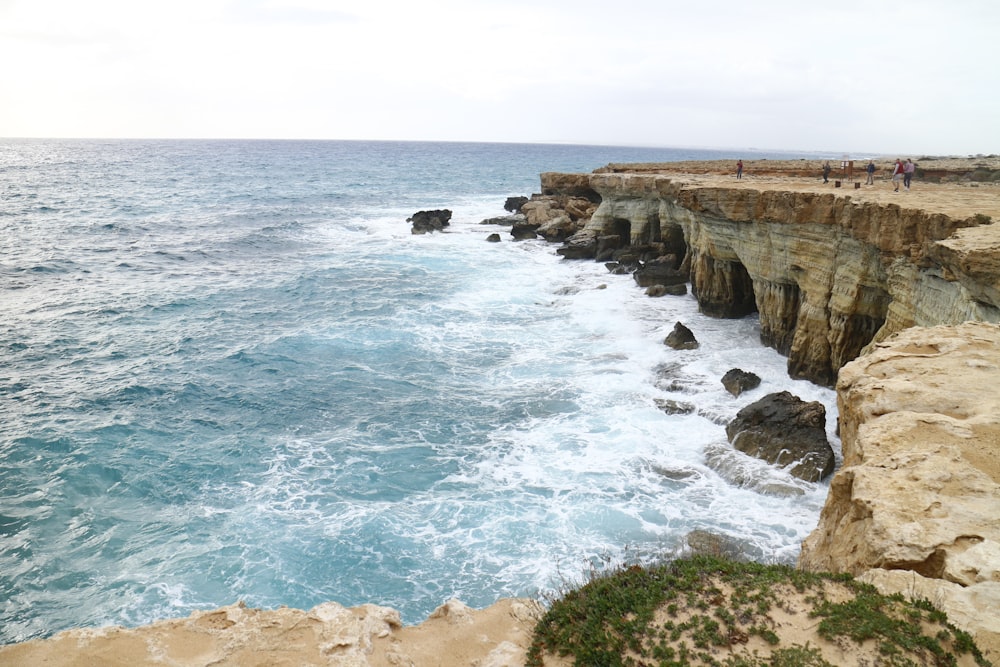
786	431
916	506
237	636
681	338
828	275
736	381
429	221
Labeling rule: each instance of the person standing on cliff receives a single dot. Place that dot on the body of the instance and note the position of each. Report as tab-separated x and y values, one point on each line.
826	172
897	174
871	172
908	169
739	169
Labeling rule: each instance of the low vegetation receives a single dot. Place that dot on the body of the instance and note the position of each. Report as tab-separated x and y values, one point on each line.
721	613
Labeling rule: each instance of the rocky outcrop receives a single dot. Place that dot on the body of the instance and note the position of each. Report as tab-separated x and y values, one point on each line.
366	636
828	275
736	381
681	338
429	221
914	508
786	431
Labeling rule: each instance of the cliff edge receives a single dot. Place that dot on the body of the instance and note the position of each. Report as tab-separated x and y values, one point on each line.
914	508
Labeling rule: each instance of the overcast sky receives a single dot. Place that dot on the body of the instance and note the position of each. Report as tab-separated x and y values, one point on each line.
914	76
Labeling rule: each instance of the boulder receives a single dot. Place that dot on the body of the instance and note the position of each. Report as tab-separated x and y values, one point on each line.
429	221
784	430
660	271
557	229
524	230
681	338
737	381
581	245
514	204
493	238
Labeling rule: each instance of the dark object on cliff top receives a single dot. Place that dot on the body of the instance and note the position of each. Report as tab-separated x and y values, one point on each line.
784	430
681	338
737	381
514	204
429	221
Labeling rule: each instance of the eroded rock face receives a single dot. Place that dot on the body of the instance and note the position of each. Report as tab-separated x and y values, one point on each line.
784	430
919	491
827	275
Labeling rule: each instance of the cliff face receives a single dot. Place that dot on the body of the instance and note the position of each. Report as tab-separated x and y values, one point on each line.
916	506
828	275
897	306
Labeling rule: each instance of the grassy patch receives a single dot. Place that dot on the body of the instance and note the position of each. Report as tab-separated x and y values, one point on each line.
710	611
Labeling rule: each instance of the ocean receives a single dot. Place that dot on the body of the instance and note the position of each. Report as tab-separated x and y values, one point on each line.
230	372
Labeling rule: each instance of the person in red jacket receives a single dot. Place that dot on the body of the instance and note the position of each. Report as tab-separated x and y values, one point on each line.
897	174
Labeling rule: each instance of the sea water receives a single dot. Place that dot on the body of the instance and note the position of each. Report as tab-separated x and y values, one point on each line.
230	372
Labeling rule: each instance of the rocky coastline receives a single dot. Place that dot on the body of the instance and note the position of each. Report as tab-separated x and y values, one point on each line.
892	298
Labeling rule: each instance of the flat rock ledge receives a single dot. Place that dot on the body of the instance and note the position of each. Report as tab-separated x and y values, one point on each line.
915	509
329	635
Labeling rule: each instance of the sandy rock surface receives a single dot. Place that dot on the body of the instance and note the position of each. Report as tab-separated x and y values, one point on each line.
329	635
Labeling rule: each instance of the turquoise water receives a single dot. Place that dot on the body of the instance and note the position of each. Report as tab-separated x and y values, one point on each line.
231	373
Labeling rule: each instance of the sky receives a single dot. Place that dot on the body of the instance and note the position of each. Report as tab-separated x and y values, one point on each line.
915	77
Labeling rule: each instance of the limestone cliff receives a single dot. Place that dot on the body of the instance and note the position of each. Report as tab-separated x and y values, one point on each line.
827	274
915	507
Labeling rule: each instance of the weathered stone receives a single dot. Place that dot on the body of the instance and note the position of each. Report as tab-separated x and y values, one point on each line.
429	221
828	275
557	229
681	338
581	245
661	271
514	204
616	269
737	381
784	430
493	238
919	491
524	230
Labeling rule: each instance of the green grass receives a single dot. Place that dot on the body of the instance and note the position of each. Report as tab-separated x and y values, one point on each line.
713	607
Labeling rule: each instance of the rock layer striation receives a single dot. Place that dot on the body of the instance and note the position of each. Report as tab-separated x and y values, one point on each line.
827	274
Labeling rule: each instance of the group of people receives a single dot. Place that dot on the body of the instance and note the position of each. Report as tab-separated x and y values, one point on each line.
900	172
